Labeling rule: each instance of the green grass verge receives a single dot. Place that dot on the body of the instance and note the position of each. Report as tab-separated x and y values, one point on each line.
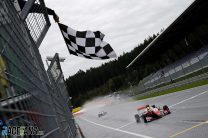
177	89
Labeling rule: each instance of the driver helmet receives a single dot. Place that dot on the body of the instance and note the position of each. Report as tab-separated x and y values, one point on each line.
148	107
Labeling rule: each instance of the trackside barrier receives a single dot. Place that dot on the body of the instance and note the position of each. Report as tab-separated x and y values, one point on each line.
195	63
29	96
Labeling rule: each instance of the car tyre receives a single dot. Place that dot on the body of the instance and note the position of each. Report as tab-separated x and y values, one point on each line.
144	118
137	117
165	107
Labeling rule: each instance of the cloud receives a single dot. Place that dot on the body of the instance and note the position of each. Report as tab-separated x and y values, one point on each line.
124	23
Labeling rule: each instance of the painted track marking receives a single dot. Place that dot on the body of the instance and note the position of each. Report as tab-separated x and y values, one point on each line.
144	136
174	105
188	99
126	125
188	129
116	129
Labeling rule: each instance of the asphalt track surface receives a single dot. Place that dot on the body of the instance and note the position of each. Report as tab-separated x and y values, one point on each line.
189	117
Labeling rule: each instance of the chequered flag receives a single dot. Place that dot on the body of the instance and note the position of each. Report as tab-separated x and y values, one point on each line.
86	44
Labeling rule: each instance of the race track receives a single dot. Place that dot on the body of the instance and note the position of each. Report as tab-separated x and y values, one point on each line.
188	119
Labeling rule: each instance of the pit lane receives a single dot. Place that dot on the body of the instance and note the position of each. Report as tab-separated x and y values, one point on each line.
188	119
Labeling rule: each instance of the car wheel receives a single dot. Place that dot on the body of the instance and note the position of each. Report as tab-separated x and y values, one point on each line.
165	107
137	118
144	118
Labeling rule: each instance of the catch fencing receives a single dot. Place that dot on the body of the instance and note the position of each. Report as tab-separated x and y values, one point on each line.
30	97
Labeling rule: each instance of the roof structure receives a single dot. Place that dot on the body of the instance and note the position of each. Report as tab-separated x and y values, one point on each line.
189	20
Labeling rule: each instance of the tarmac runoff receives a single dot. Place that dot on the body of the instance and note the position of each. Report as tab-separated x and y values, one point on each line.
188	119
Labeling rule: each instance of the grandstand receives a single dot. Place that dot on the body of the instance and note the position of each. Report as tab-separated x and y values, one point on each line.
189	34
189	64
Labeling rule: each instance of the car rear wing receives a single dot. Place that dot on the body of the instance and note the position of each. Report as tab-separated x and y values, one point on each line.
141	107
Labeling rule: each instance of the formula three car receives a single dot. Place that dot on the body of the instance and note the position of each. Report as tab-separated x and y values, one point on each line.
102	113
150	113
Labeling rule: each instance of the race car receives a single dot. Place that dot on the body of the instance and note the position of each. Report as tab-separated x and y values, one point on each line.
150	113
102	113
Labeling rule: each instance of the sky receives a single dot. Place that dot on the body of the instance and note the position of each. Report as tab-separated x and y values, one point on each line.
125	23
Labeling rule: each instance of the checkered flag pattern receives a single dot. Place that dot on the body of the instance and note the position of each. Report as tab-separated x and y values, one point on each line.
86	44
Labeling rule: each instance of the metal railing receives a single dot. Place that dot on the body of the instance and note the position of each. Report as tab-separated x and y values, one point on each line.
27	96
195	64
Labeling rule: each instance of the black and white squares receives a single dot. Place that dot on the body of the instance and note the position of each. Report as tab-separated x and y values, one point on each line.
86	44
